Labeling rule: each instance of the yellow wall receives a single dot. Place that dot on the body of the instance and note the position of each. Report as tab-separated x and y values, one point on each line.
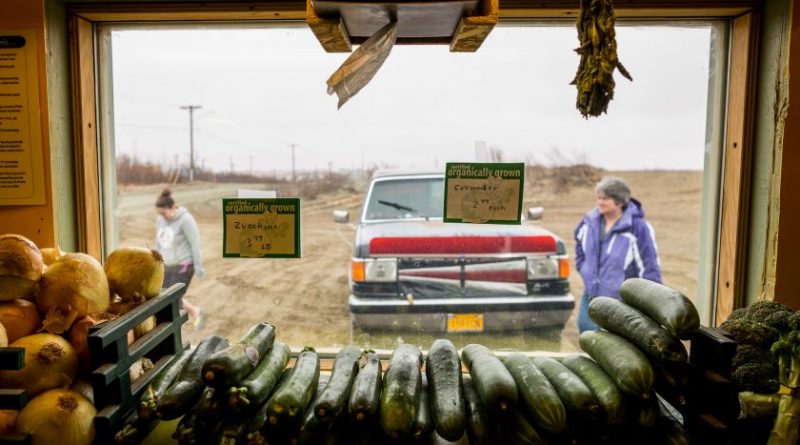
35	222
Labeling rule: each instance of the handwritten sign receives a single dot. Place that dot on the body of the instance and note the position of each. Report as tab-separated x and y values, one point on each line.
261	228
483	193
21	157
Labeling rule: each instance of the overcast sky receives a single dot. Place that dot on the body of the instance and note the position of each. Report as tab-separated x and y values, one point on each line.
264	89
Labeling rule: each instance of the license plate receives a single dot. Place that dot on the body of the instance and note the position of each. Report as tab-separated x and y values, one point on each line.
465	323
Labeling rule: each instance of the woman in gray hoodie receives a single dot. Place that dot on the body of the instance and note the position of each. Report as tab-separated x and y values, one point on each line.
178	241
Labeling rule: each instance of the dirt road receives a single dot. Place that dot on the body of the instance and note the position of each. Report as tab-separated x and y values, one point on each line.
306	298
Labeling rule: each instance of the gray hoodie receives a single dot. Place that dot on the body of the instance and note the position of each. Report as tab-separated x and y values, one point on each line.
178	240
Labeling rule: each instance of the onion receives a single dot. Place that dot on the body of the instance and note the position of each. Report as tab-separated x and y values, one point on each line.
20	318
51	254
74	286
135	273
20	266
3	337
50	362
144	327
58	416
8	422
79	336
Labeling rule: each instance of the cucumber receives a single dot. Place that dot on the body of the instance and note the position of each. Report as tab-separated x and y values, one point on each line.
443	370
334	396
401	387
636	327
312	430
537	395
494	383
666	306
606	392
423	425
622	361
188	386
148	403
518	431
478	426
257	386
575	395
365	397
292	397
229	366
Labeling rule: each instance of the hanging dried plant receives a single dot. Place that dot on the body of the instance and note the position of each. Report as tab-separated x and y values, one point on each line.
598	50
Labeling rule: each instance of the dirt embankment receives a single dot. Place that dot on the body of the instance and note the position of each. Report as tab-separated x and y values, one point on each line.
306	298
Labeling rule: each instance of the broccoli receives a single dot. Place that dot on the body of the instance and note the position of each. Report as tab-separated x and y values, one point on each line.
787	424
747	331
760	310
782	321
737	313
751	354
756	377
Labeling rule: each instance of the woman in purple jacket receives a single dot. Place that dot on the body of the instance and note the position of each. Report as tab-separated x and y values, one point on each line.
613	243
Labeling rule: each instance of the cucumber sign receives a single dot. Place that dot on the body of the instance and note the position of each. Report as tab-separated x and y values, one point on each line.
261	228
483	193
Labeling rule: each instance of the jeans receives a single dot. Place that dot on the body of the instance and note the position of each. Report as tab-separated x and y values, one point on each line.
178	274
585	323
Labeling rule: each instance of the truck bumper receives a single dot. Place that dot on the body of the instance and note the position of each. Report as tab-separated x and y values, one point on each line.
499	314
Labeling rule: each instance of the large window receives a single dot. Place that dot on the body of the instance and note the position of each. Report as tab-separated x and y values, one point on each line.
260	119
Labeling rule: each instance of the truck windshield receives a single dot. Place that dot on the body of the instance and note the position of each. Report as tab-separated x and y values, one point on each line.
406	198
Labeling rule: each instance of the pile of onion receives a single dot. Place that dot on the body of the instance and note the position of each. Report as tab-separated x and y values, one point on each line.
20	266
79	337
73	287
58	416
135	273
50	362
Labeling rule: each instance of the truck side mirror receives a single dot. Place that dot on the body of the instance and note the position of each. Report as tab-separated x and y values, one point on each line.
535	213
341	216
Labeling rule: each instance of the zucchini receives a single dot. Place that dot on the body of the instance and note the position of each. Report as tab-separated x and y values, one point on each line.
478	426
188	386
230	365
672	432
193	429
228	432
423	425
436	439
647	411
365	397
292	397
311	429
538	397
606	392
518	431
636	327
148	403
134	430
492	380
401	387
340	432
443	369
257	428
575	395
334	396
666	306
213	404
257	386
621	360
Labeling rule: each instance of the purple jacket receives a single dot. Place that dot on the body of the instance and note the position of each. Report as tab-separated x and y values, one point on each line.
628	250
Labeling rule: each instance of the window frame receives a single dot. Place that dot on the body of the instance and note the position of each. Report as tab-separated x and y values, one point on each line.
91	131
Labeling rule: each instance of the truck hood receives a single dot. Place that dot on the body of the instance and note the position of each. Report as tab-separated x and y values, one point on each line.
436	238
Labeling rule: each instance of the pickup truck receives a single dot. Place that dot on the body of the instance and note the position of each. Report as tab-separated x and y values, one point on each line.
412	271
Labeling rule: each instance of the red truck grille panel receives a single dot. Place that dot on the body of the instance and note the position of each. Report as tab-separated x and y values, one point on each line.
462	245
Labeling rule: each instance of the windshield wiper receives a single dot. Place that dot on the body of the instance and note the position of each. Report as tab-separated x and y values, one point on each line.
396	206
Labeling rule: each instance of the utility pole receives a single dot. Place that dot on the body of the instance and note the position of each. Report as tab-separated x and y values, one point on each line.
293	174
251	165
191	109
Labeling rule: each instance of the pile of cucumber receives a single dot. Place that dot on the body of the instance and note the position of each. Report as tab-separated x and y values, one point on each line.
244	393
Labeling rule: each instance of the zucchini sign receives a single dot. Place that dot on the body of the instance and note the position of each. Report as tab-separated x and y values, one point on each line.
261	228
483	193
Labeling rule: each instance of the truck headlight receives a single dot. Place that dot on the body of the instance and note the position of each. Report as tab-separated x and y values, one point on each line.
374	270
548	268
